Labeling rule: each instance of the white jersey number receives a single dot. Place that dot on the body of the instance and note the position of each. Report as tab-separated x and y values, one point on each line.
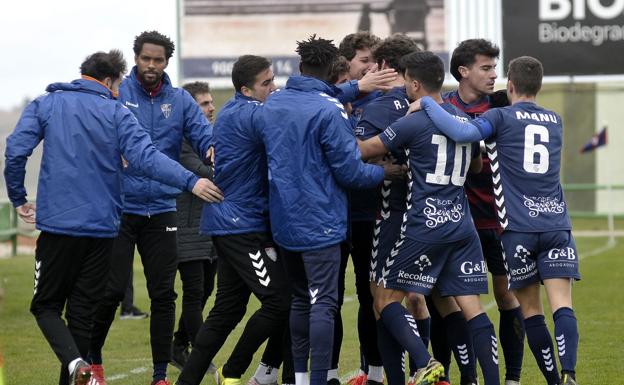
531	149
462	156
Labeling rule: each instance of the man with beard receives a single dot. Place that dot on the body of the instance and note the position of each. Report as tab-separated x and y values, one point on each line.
149	218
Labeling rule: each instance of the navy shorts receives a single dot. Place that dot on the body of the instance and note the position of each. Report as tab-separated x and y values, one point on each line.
385	235
455	268
492	251
534	257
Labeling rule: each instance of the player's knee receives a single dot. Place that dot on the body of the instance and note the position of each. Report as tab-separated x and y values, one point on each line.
380	302
417	305
505	299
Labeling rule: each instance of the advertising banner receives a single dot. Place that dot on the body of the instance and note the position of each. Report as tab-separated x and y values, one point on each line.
570	37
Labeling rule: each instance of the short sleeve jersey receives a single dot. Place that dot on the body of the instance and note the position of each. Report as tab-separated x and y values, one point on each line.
437	208
525	154
376	117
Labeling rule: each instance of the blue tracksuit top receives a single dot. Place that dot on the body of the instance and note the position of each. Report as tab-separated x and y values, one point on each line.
167	117
85	132
240	172
313	157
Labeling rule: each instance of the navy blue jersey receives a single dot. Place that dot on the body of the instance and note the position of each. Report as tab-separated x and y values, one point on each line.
437	208
525	153
376	117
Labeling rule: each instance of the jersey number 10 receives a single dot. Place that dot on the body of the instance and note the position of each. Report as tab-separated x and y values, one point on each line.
462	157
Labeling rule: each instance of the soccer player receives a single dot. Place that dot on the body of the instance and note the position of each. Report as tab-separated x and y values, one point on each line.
473	65
150	221
79	201
248	260
356	48
312	157
389	203
197	260
524	145
438	246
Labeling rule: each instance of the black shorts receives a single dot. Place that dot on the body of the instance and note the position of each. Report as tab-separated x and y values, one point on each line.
492	251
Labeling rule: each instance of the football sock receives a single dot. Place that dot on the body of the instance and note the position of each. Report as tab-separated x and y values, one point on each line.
511	333
391	355
459	338
402	326
541	345
485	347
567	337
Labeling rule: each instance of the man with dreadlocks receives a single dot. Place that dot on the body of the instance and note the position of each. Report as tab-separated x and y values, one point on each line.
312	157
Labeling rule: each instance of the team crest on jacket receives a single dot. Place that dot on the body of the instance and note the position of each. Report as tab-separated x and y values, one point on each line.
166	110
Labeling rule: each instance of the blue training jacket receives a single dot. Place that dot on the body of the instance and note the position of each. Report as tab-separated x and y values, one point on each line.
240	172
167	117
85	132
312	156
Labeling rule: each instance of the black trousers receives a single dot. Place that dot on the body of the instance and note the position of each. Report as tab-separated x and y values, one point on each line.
198	278
70	273
128	300
247	263
156	241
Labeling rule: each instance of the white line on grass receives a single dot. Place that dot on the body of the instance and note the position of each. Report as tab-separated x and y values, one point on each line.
140	369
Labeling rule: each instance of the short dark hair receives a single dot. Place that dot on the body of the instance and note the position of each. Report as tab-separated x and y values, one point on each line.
101	65
526	73
317	56
393	48
354	41
465	54
245	70
197	88
426	67
153	37
340	66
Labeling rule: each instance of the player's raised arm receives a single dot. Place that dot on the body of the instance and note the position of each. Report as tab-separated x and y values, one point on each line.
459	131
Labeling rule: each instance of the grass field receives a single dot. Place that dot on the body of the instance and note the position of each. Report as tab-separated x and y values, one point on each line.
30	361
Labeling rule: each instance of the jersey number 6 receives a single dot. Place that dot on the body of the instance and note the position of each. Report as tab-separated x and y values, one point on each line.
531	149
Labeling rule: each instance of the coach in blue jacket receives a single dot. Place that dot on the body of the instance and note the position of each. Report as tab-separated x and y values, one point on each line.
85	133
312	157
149	214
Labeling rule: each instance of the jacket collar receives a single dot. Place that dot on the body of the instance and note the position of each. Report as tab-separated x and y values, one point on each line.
242	98
308	83
82	85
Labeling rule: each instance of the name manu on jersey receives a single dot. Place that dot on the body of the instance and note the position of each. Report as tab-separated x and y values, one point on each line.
538	117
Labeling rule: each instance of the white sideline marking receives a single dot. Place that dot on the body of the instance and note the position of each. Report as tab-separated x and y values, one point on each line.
140	369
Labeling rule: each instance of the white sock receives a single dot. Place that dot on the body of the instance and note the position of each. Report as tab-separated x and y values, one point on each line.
72	365
332	373
375	373
301	378
266	374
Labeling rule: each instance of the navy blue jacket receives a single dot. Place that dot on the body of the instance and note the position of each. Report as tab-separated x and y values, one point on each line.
313	156
85	132
240	172
168	117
